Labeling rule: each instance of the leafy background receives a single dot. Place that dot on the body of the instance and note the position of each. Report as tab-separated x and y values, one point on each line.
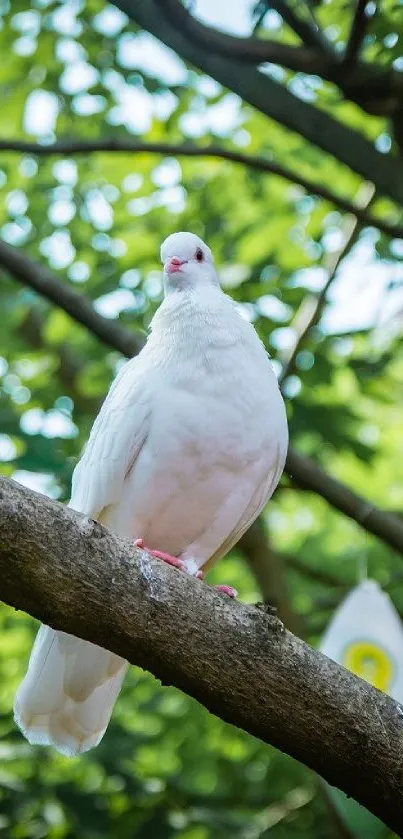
166	768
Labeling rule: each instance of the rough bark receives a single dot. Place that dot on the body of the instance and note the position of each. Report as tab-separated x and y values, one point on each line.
274	100
237	660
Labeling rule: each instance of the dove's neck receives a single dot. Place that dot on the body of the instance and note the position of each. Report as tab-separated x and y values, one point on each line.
197	321
189	282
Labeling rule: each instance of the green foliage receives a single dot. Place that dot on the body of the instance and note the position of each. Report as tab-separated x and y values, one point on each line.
166	768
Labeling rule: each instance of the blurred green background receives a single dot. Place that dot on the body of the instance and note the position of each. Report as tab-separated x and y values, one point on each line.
166	768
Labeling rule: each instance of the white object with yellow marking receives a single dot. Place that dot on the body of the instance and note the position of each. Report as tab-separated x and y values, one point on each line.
366	636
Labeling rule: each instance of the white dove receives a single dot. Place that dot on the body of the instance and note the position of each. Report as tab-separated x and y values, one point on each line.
189	445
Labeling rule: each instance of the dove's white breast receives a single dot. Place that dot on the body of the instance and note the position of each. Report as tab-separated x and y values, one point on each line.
216	437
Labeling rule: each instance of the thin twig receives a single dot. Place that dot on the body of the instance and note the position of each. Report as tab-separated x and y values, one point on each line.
316	575
311	308
357	34
71	147
308	31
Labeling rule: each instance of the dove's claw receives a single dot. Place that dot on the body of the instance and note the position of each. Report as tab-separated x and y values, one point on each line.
170	560
228	590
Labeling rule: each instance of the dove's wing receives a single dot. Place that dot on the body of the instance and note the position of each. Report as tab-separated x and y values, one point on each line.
68	693
259	497
117	437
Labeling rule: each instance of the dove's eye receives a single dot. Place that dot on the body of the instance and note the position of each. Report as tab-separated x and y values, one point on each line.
199	255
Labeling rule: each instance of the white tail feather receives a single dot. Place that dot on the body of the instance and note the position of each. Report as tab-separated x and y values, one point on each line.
68	693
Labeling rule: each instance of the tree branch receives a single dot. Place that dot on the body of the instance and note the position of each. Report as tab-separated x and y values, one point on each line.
304	472
268	569
316	575
256	162
376	89
272	99
308	31
71	361
75	304
311	307
237	660
357	33
250	49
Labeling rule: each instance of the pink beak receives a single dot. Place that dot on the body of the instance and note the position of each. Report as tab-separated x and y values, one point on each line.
174	264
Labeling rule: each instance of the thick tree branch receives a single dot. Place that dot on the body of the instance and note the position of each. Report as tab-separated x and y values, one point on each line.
376	89
347	145
75	304
304	472
255	50
256	162
71	361
237	660
250	49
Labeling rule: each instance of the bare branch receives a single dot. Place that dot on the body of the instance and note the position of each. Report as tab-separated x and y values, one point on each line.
237	660
70	361
246	49
316	575
256	162
357	33
268	568
274	100
76	305
250	49
311	308
387	526
376	89
308	31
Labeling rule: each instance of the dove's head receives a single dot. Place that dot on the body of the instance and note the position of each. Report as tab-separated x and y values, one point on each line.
188	262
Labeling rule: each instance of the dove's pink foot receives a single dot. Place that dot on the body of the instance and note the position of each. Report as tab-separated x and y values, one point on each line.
228	590
170	560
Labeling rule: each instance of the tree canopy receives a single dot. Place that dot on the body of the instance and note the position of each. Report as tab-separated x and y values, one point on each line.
121	124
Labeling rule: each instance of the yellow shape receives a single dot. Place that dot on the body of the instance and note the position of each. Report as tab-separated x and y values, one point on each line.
370	662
